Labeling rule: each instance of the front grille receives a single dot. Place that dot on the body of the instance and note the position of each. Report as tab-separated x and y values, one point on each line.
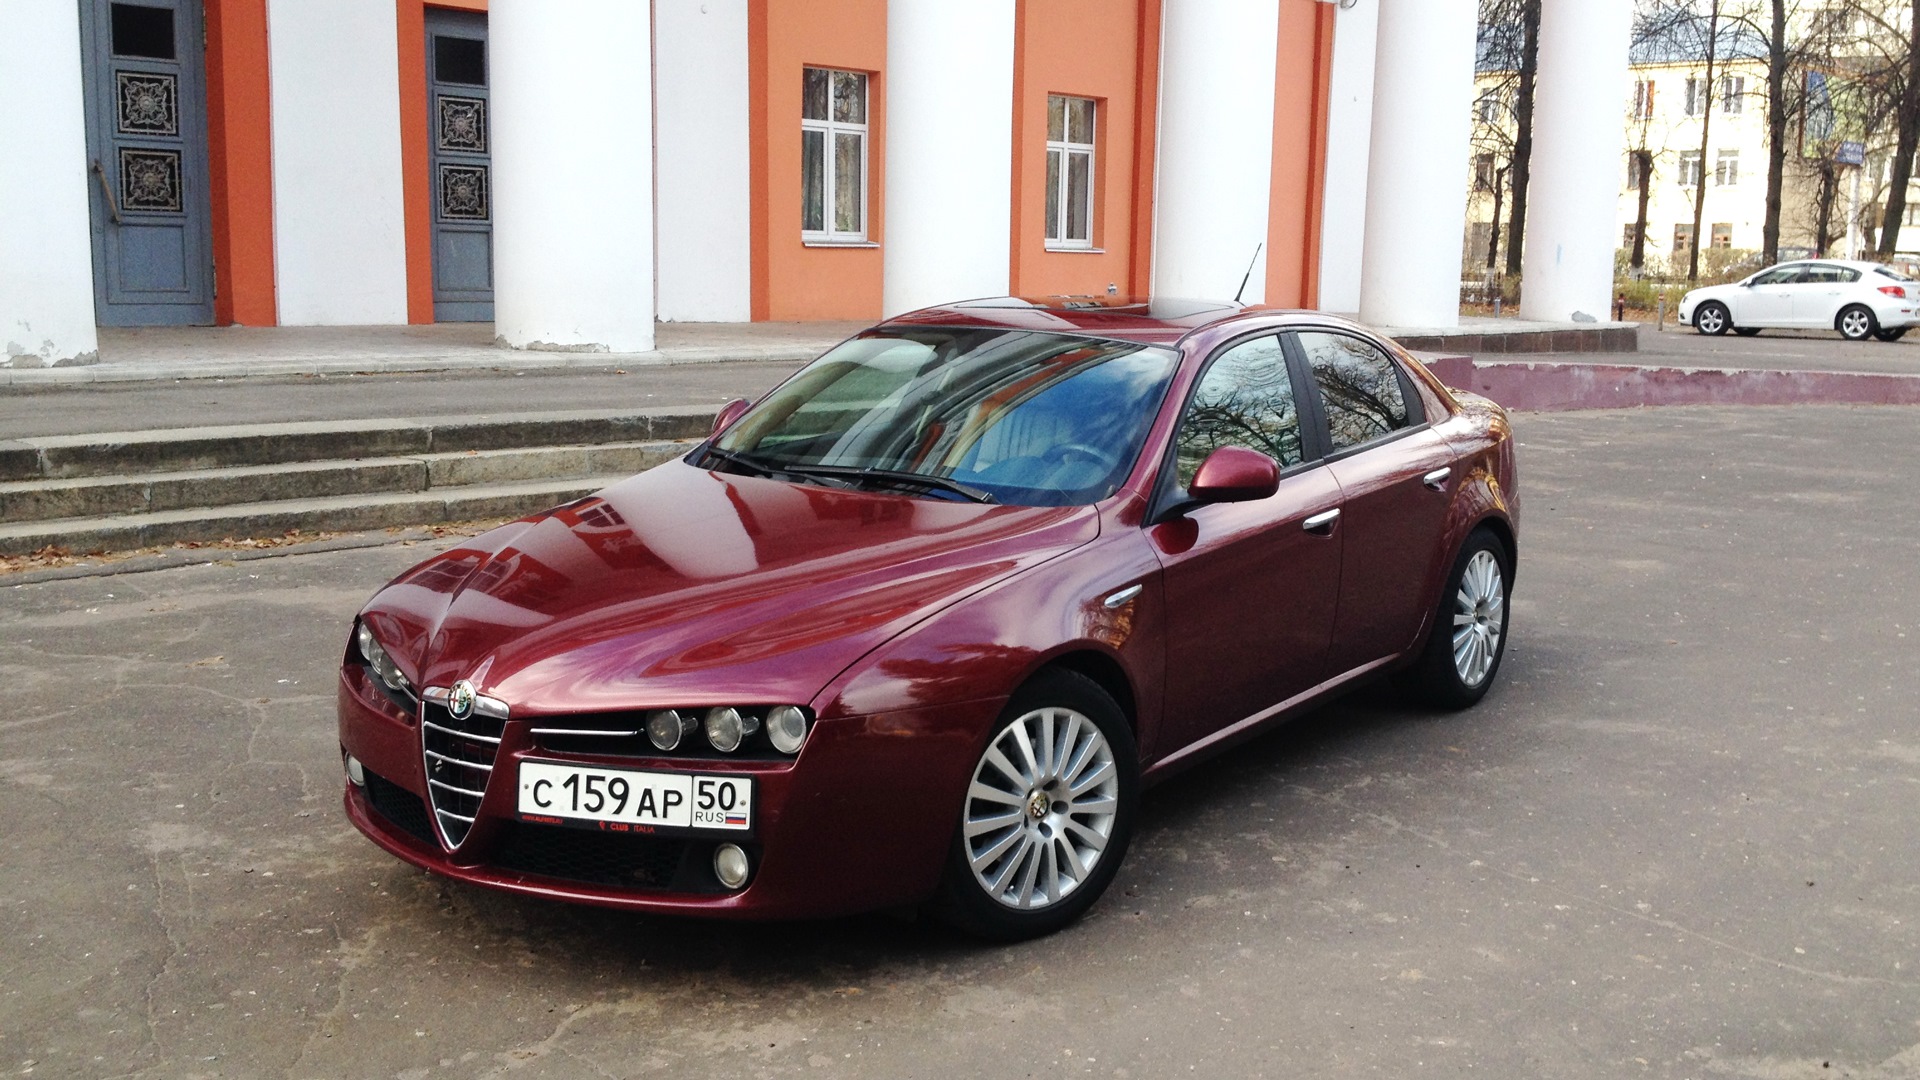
592	858
459	759
399	806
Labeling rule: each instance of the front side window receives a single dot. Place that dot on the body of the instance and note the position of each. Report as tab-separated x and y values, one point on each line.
1245	399
1780	275
1070	127
1360	389
833	155
1027	418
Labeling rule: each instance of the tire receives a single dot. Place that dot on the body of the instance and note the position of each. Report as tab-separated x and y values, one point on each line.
1712	318
1746	331
1460	659
1020	866
1891	335
1856	322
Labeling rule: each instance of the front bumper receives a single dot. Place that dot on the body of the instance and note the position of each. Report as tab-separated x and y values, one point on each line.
860	820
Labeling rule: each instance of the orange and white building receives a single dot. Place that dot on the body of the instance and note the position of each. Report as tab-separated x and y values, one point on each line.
574	170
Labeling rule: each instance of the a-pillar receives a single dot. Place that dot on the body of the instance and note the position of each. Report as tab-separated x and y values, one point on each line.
1215	158
46	252
1566	269
572	108
1417	163
949	175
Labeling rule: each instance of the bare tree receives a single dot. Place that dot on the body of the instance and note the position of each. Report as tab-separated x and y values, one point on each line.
1509	57
1889	77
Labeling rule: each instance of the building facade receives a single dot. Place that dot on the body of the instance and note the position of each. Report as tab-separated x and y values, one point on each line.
573	172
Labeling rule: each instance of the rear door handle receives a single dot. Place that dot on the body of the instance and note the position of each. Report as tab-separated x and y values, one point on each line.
1322	522
1437	479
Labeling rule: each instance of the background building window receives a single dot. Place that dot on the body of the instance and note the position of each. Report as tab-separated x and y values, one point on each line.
1643	99
1636	166
1682	239
833	155
1070	130
1913	213
1726	168
1689	168
1733	92
1627	233
1483	174
1487	108
1722	235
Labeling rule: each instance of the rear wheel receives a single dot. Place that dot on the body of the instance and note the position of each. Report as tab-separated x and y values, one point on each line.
1856	323
1713	318
1469	634
1891	335
1047	815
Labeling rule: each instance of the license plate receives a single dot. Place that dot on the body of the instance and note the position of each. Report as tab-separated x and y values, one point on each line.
630	799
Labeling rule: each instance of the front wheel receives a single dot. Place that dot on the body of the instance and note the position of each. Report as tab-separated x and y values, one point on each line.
1047	815
1856	323
1712	318
1891	335
1469	634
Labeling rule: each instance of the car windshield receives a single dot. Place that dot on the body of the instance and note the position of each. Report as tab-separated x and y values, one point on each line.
990	415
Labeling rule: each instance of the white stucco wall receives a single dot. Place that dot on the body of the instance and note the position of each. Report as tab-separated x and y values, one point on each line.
46	253
1349	133
949	214
340	249
1213	188
703	238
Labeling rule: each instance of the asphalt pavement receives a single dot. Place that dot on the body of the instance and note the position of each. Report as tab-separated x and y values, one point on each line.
1676	840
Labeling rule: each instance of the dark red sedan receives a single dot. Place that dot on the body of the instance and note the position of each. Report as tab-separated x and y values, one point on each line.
918	626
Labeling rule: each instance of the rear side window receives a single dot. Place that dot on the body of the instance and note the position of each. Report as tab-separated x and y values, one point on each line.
1892	273
1360	389
1830	274
1245	399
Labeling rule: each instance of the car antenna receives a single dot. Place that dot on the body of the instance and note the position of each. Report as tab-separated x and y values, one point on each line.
1249	274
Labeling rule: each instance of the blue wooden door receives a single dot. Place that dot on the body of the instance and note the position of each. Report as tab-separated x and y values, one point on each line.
462	175
145	86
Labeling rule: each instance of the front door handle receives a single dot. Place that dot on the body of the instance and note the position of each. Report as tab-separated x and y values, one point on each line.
1322	522
1437	479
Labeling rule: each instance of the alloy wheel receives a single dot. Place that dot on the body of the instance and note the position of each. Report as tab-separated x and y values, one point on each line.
1479	617
1041	810
1855	323
1711	319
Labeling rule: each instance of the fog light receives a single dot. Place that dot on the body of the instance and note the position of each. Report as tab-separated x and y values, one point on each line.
786	729
666	727
730	865
356	772
727	729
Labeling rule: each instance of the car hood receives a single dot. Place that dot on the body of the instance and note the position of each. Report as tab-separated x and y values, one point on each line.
684	587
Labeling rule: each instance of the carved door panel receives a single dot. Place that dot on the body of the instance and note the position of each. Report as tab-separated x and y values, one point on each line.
459	143
146	115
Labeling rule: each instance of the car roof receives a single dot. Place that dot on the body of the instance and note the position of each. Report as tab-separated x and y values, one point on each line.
1154	321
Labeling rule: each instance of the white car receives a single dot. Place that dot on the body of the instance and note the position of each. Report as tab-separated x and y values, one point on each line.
1859	299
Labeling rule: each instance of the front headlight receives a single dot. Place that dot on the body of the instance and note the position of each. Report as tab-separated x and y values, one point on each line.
382	664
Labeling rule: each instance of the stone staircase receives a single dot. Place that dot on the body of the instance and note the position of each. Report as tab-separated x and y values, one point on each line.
124	490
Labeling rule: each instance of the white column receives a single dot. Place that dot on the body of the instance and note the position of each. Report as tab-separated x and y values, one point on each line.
701	161
1566	269
572	174
1343	213
1214	166
46	252
339	219
949	177
1417	164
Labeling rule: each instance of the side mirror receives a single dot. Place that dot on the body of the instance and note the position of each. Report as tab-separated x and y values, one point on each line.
728	414
1234	474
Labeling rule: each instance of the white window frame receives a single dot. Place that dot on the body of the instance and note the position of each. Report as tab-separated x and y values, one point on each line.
1696	102
1733	94
829	180
1690	168
1726	169
1069	149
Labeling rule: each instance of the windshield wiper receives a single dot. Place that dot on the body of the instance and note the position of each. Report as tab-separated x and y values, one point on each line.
751	464
891	476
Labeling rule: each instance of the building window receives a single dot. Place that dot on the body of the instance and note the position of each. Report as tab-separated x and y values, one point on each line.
1689	168
1726	168
1722	236
1733	93
1643	99
1487	108
1636	169
1682	239
833	156
1696	97
1913	214
1483	173
1627	233
1070	127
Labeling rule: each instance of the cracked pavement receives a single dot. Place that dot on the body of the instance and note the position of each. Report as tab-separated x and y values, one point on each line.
1675	841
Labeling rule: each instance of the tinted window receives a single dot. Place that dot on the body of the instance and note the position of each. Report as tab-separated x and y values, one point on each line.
1244	399
1779	275
1359	389
142	31
1892	273
460	60
1829	274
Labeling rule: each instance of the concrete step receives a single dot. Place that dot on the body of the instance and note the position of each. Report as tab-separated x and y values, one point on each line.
101	496
334	513
177	450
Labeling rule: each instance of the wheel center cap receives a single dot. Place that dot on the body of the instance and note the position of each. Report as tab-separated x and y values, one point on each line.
1038	806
